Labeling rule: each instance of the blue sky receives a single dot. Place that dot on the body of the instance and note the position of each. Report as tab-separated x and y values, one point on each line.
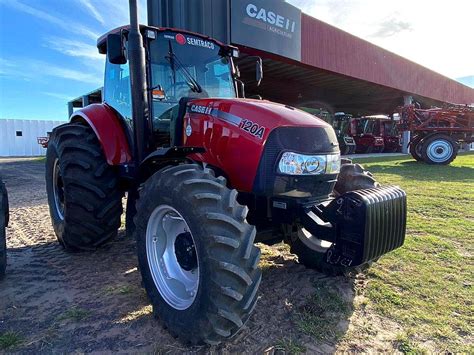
48	54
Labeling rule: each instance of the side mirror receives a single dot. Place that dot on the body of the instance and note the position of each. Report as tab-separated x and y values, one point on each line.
115	49
259	71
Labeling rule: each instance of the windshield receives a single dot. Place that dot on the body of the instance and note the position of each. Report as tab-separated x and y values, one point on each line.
365	126
187	66
391	129
180	62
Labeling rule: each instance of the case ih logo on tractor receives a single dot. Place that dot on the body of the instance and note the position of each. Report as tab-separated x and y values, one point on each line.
203	186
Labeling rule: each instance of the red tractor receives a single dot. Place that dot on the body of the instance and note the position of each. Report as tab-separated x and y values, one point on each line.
391	136
207	174
437	133
366	133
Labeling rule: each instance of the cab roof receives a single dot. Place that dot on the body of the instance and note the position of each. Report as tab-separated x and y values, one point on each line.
102	41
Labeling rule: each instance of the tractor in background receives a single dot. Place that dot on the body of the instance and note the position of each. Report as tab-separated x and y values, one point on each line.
366	133
437	133
391	135
207	173
341	123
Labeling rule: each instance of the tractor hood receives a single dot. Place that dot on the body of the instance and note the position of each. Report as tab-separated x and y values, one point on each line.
266	114
237	134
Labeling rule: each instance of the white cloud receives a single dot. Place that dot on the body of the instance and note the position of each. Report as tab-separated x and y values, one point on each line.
58	96
436	34
94	12
74	48
39	70
62	23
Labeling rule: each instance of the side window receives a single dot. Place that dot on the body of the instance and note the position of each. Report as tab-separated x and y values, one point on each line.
117	88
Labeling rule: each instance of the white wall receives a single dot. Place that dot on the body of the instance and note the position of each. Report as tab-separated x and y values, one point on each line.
27	145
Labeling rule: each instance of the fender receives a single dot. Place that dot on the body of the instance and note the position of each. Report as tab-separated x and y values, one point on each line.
108	129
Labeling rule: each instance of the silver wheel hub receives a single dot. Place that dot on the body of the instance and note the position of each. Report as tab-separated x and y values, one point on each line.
58	190
172	257
439	151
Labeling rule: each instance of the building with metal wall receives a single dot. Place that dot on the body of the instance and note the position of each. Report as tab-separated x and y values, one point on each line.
308	62
20	137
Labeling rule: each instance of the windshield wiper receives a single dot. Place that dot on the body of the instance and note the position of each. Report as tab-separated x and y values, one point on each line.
174	61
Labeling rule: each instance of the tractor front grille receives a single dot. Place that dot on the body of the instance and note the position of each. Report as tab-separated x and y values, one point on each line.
305	140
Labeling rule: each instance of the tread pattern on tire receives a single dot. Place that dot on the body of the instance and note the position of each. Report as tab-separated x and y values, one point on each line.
231	274
413	145
3	223
93	201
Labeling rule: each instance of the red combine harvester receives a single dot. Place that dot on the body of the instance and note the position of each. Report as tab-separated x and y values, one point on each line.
436	134
391	135
367	136
207	173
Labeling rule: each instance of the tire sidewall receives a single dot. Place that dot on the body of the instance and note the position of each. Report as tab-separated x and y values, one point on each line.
427	142
51	155
3	237
203	299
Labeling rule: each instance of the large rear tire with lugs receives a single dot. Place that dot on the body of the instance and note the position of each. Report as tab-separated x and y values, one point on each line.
312	251
415	148
4	216
196	254
85	202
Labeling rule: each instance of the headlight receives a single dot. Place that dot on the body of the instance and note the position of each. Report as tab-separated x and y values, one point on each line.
300	164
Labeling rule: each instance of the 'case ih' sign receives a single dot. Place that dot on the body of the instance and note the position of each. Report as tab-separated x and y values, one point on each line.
269	25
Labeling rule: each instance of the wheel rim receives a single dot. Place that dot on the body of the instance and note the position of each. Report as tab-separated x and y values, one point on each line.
58	190
439	151
172	257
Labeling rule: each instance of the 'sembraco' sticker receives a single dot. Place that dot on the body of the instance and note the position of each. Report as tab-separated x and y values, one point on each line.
180	39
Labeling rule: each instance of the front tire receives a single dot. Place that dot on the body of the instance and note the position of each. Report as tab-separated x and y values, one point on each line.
196	254
84	200
439	149
311	251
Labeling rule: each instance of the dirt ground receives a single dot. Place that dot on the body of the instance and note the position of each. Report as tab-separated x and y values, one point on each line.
53	301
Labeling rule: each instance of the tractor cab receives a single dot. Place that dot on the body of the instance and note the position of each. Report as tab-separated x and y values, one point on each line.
342	124
391	135
180	66
366	133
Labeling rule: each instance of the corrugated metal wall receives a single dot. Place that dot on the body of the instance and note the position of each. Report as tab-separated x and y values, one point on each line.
332	49
209	17
12	144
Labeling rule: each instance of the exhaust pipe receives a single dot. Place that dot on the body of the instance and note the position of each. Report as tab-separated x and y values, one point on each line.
136	57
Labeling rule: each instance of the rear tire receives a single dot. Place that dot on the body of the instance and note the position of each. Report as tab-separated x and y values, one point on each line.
218	291
415	148
84	200
310	250
3	224
439	149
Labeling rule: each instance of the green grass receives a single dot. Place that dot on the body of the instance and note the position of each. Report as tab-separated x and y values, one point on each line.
427	285
290	346
10	340
75	314
320	316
